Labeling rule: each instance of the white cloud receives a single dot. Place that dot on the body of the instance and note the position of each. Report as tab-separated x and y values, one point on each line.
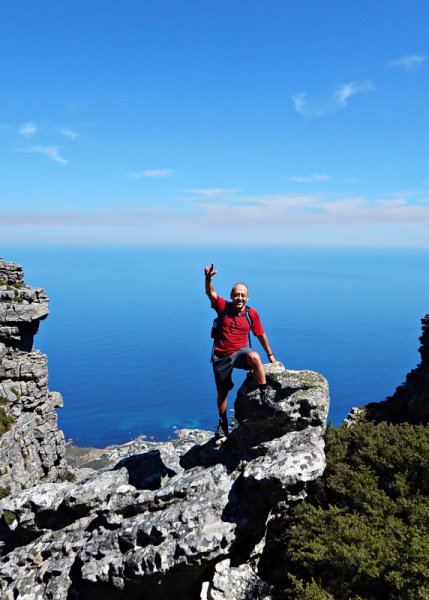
27	129
51	151
410	61
68	133
338	100
151	173
391	203
316	177
284	210
209	192
395	219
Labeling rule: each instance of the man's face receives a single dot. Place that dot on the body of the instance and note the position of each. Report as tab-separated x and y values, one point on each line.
239	296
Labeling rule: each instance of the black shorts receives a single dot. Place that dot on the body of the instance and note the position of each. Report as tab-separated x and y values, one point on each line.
223	365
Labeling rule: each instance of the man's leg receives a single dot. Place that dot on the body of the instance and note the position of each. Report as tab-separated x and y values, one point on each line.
222	368
222	403
254	361
222	428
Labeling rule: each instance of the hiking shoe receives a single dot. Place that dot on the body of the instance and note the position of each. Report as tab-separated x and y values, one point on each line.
267	400
222	428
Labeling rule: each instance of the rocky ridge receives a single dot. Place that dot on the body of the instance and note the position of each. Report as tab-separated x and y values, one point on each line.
186	518
410	401
31	447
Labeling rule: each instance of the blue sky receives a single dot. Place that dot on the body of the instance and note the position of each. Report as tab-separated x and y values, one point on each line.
236	122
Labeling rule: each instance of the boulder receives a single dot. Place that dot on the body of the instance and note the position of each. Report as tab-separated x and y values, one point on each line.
185	518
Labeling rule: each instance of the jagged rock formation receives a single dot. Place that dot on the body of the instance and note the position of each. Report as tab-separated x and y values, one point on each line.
31	446
183	519
410	402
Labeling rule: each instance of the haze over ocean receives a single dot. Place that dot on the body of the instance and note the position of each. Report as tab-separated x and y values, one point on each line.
128	337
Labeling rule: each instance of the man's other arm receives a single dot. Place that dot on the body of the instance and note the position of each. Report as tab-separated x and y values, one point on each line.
210	291
266	346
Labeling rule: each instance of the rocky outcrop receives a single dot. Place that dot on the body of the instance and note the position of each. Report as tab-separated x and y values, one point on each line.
182	519
410	402
31	446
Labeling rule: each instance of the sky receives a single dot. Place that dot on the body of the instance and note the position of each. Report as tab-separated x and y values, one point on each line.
275	122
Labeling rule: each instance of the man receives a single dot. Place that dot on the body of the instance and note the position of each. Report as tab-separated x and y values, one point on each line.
231	344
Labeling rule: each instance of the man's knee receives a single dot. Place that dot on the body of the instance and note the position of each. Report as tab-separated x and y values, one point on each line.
253	359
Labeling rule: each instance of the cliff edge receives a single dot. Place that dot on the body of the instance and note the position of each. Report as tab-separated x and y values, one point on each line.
31	446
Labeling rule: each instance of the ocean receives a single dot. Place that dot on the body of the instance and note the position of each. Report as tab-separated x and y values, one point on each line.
128	336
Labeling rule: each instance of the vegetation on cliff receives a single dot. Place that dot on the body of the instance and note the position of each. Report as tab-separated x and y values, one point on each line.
6	421
364	532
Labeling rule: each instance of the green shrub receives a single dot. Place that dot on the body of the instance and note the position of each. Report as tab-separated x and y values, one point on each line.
364	532
10	286
4	491
67	475
9	517
15	393
6	421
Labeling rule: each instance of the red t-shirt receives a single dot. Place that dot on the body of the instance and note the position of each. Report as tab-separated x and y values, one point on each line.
234	328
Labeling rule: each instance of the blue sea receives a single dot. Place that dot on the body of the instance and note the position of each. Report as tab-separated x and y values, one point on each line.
128	336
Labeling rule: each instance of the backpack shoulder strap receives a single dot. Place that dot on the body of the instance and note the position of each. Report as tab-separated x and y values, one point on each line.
249	319
249	316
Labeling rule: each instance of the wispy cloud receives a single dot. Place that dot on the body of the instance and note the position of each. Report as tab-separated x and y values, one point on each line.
397	219
315	209
316	177
339	99
151	173
212	192
68	133
409	62
27	129
50	151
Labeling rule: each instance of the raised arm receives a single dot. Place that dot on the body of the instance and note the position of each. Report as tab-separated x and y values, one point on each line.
210	291
266	346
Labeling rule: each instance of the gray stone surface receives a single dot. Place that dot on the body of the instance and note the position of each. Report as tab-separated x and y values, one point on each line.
33	448
235	583
181	519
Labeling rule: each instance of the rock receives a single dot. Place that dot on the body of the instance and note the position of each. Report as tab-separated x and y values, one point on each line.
146	471
180	519
10	273
235	583
356	414
33	447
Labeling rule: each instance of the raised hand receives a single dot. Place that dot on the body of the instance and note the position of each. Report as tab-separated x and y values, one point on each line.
210	271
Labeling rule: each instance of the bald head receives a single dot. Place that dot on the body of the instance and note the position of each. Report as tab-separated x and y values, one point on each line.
239	296
240	284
